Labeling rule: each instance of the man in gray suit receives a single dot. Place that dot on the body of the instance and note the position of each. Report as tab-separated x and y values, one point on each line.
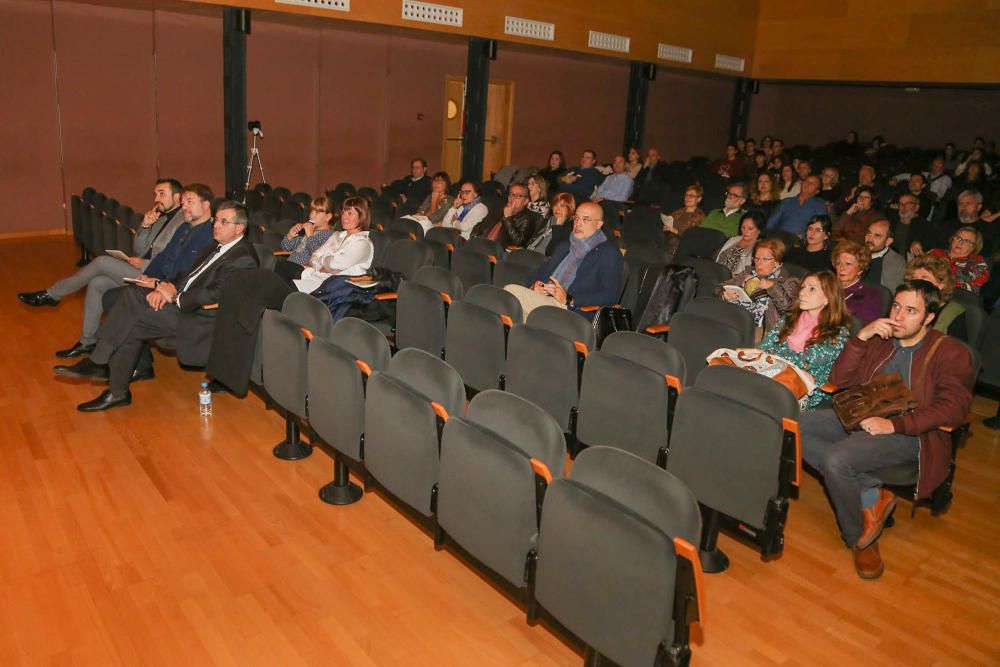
888	267
106	272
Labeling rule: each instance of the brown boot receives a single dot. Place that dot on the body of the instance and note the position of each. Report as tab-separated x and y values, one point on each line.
874	519
868	562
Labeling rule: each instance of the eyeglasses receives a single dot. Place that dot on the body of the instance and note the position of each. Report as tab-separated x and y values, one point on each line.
586	219
513	195
466	192
318	210
763	259
963	240
223	221
733	195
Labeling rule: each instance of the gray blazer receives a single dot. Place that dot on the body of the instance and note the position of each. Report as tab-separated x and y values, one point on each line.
154	239
893	270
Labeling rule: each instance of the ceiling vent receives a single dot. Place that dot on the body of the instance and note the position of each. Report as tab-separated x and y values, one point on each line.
608	42
679	54
729	62
331	5
528	28
426	12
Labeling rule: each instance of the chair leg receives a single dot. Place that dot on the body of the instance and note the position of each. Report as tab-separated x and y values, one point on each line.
713	560
292	448
994	421
341	491
591	658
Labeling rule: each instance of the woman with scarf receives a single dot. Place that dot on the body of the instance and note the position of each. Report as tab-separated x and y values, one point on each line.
813	334
586	270
468	210
772	294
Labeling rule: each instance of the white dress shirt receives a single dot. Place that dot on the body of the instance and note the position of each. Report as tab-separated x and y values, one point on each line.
343	254
212	259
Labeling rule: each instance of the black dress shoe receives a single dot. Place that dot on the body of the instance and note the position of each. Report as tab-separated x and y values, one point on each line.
85	368
78	350
145	374
217	387
106	401
36	299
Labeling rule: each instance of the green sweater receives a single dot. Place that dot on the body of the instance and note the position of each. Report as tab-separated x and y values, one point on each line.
728	225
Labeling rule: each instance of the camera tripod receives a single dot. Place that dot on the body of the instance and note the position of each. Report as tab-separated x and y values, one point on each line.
254	155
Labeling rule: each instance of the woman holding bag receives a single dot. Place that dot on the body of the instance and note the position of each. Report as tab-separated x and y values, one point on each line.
813	334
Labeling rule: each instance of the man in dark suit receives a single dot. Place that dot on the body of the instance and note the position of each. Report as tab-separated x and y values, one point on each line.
163	310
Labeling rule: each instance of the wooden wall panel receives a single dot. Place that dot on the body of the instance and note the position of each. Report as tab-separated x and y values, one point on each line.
30	169
889	40
189	118
688	115
106	98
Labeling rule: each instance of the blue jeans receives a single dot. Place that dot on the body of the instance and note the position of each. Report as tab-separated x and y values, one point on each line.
845	459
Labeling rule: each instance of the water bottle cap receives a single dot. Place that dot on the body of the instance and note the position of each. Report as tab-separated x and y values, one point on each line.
204	385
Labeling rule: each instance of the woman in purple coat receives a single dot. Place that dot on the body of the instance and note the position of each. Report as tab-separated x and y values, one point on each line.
851	260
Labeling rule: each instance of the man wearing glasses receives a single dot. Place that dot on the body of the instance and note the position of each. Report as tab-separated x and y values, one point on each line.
518	224
727	219
160	309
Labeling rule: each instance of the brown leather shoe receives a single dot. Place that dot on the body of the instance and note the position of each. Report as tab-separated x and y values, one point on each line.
874	518
868	562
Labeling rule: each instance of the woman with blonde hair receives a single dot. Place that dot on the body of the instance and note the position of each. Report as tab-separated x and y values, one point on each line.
767	292
936	270
538	195
555	230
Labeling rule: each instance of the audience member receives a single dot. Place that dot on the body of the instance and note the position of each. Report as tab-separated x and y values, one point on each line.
582	180
538	195
850	261
970	214
793	215
554	170
814	254
803	168
167	310
951	157
518	224
104	273
731	166
829	185
938	370
727	218
650	174
914	233
633	164
853	224
968	267
436	204
937	271
586	270
813	334
975	156
347	252
467	211
557	228
617	186
772	292
887	266
764	194
737	253
688	216
788	182
866	178
416	187
938	182
304	238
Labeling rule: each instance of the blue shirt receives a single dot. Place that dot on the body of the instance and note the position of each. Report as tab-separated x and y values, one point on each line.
616	187
179	255
791	216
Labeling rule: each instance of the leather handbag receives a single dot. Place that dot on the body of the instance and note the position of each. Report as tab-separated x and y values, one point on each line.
885	395
779	369
609	320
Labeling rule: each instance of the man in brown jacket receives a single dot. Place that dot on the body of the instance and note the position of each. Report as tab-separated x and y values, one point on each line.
938	370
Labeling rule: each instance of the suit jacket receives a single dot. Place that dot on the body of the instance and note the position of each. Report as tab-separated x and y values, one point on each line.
195	325
153	239
598	280
893	270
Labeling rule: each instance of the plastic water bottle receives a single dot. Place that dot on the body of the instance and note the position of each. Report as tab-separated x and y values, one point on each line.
205	401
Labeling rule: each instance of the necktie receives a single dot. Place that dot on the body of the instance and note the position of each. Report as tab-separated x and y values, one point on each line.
201	267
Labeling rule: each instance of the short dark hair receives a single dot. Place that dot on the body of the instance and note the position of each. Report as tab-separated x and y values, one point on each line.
824	220
933	301
443	175
422	161
591	151
175	185
241	216
756	217
203	192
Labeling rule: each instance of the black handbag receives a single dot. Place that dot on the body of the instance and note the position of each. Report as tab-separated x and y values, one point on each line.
610	319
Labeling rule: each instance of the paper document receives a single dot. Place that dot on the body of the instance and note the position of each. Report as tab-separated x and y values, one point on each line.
118	254
743	297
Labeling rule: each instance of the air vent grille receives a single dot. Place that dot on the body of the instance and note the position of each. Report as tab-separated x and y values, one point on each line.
608	42
426	12
729	62
528	28
332	5
679	54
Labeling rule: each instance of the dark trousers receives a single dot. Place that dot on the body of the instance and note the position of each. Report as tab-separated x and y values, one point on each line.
127	327
288	270
845	459
145	361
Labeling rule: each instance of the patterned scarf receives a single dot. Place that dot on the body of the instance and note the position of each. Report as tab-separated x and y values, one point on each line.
466	208
565	273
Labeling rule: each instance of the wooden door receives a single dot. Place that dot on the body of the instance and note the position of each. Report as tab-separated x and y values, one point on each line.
499	122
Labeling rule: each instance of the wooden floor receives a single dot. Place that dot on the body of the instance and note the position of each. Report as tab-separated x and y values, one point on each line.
148	535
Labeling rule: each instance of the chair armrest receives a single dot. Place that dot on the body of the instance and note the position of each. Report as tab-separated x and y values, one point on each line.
281	253
541	470
360	279
830	388
794	436
386	296
210	306
589	309
658	329
689	586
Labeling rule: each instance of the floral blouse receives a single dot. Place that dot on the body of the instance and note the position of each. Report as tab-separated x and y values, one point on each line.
817	360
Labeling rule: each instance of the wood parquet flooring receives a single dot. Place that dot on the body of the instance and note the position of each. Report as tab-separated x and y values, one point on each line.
147	535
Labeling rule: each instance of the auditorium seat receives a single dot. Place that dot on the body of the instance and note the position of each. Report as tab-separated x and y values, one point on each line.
479	325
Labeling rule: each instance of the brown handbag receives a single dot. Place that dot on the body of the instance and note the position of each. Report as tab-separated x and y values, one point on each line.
885	395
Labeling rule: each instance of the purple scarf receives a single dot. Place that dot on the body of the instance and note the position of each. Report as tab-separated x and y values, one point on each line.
565	273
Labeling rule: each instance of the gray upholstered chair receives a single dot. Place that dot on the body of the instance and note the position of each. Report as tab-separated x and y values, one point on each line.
443	240
405	408
545	358
496	463
616	561
516	267
422	309
732	314
339	368
285	339
476	340
735	443
627	396
697	336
